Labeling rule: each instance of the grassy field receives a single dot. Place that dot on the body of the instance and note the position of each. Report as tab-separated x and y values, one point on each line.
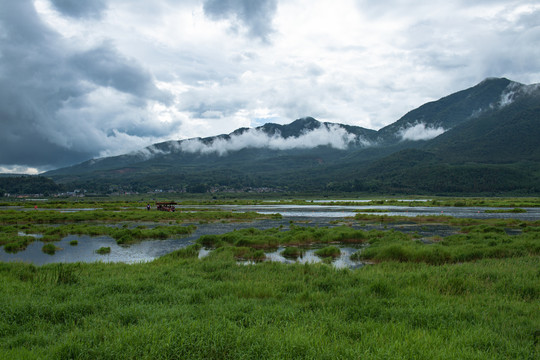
180	307
472	295
139	201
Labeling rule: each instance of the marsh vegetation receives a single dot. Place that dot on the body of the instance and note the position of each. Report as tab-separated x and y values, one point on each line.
126	226
470	295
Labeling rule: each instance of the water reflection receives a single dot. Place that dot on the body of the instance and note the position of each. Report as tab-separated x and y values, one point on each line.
85	250
336	211
342	262
309	257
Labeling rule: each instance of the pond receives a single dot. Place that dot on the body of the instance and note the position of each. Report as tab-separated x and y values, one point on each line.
302	215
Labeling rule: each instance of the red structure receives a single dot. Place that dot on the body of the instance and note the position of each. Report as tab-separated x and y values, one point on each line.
166	206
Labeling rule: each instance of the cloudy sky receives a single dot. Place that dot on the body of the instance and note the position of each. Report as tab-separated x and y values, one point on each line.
85	79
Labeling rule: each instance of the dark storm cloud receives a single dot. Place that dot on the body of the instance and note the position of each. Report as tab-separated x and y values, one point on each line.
256	16
31	85
42	83
104	66
80	8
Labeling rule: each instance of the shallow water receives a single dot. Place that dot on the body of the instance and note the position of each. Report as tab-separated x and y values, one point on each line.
337	211
302	215
309	257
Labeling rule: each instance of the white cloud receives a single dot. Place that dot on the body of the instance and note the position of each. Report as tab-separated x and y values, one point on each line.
105	77
513	90
149	152
326	135
507	98
420	132
18	169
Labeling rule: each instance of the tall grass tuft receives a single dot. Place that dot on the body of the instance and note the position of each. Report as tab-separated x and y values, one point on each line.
104	250
49	249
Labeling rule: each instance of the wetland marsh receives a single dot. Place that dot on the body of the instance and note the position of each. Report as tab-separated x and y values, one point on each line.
112	225
221	283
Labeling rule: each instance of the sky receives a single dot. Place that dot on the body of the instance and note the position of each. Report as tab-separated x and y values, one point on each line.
88	79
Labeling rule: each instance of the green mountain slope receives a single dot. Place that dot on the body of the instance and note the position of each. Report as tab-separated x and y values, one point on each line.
505	136
494	152
484	139
452	110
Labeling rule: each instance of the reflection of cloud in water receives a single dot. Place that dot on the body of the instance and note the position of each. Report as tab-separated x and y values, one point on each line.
309	257
319	214
203	253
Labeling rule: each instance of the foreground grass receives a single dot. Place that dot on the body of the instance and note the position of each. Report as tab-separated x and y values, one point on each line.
180	307
473	295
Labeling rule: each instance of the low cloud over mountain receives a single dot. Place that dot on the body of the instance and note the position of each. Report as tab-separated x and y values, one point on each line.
330	135
420	132
85	79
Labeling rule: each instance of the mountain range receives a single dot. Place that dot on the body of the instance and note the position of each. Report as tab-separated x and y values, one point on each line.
481	140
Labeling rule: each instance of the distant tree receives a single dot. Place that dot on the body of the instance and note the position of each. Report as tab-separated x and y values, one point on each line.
28	185
198	188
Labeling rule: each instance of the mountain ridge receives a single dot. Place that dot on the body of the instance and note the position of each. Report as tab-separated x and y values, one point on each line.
482	128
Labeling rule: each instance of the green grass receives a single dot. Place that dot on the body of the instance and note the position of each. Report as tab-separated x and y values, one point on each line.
272	238
179	307
135	202
14	243
474	243
473	295
49	249
123	235
514	210
54	226
104	250
11	217
293	252
443	219
328	252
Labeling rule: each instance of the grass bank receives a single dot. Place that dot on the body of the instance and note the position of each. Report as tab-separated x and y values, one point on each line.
179	307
